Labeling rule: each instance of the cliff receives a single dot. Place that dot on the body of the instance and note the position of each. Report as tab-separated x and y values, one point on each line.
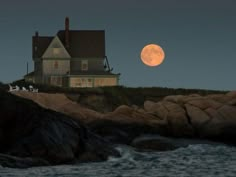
33	136
194	116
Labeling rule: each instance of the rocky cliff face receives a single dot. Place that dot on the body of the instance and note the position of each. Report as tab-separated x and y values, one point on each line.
31	136
194	116
212	116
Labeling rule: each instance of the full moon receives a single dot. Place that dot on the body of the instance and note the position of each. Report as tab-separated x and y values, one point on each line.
152	55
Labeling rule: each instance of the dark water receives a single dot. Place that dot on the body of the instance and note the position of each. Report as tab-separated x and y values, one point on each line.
194	160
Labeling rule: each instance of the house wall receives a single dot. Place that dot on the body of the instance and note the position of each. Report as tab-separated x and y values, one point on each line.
93	81
56	80
94	64
110	81
56	67
38	70
81	82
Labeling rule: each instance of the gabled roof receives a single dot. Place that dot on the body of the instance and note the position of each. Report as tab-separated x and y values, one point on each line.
85	43
40	44
61	51
82	43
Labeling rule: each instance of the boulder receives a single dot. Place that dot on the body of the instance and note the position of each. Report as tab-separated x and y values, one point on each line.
149	106
222	98
160	143
155	143
211	116
229	114
214	127
232	102
12	161
37	136
231	94
124	109
157	109
204	103
178	123
222	123
198	118
179	99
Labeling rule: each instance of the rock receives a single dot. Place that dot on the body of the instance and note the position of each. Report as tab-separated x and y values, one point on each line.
204	103
198	118
221	120
213	127
63	105
30	132
178	123
124	109
210	117
126	114
155	143
149	106
231	94
222	98
160	143
229	114
157	109
179	99
196	115
232	102
115	131
192	97
17	162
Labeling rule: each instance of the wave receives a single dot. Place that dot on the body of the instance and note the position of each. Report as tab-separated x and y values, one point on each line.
192	160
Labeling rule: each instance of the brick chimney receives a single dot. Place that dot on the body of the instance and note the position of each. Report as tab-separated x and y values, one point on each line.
36	34
36	42
67	26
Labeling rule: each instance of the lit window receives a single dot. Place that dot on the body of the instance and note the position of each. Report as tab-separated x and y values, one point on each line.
56	51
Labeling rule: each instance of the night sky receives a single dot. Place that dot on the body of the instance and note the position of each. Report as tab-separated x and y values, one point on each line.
198	37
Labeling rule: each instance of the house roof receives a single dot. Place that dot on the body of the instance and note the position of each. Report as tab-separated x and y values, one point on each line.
31	74
40	44
82	43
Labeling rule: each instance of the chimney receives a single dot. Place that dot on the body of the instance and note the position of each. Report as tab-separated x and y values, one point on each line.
67	32
36	42
36	33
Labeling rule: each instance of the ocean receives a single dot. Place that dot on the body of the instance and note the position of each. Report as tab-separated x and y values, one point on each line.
203	160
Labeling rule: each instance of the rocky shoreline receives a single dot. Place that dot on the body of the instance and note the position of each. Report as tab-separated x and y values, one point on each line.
34	136
71	133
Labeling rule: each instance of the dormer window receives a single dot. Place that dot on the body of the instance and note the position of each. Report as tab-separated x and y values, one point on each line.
84	65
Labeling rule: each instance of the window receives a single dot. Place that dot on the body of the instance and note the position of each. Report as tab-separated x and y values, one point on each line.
56	64
90	83
84	65
56	51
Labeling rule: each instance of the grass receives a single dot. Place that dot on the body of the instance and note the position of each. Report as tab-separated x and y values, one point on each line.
115	96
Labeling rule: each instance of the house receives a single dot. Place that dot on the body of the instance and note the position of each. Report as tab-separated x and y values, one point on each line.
71	58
